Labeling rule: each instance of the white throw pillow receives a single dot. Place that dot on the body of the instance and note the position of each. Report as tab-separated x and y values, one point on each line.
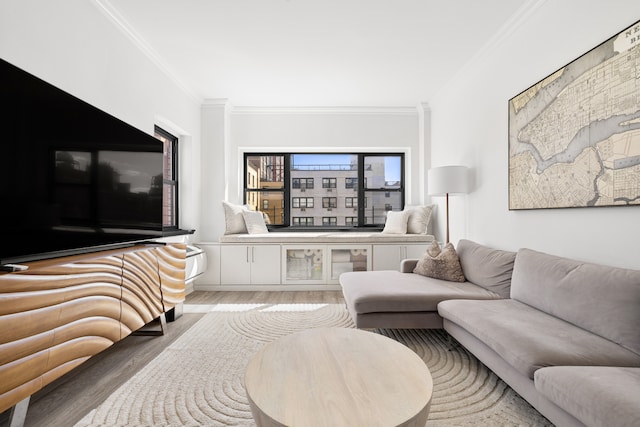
396	222
419	219
233	219
254	221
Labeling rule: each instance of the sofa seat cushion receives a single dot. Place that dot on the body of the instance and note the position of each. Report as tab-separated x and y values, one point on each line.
596	395
392	291
529	339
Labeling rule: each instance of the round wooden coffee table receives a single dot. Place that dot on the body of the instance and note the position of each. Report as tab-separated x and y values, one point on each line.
338	377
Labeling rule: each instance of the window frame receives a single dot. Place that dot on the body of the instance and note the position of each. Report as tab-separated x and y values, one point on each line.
329	202
329	221
358	187
300	205
172	140
331	182
306	185
351	202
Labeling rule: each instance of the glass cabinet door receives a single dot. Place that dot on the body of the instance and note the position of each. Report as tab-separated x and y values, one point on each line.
344	259
303	265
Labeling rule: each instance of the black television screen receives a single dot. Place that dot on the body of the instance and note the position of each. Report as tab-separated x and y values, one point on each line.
73	178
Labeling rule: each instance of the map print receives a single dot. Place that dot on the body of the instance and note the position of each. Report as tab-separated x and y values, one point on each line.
574	137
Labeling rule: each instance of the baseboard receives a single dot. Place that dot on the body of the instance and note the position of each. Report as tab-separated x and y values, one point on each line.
257	288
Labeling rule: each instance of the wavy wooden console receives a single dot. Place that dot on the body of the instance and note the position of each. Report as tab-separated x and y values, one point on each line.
60	312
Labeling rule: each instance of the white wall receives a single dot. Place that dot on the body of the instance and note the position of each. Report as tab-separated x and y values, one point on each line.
470	124
306	129
74	46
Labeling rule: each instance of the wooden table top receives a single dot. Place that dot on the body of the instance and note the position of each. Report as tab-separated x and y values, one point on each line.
338	377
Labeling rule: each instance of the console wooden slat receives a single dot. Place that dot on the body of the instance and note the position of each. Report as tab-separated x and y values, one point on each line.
141	285
172	269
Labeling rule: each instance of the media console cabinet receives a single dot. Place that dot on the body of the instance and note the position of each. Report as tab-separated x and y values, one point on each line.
60	312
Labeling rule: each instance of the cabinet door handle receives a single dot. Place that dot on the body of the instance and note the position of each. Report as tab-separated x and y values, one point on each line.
248	248
253	254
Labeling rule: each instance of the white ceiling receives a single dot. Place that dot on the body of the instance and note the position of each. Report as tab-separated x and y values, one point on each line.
313	52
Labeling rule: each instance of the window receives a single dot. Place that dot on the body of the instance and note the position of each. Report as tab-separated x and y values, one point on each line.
328	183
169	178
303	221
329	220
302	183
383	186
329	202
282	184
302	202
264	187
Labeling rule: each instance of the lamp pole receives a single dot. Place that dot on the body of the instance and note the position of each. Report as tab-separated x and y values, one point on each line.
447	209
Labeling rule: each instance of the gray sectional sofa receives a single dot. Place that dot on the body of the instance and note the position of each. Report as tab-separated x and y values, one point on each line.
566	336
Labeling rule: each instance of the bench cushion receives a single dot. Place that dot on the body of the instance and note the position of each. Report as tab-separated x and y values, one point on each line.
597	396
598	298
326	237
392	291
529	339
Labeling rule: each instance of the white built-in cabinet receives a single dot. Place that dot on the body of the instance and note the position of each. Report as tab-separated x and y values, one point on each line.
250	265
388	257
299	266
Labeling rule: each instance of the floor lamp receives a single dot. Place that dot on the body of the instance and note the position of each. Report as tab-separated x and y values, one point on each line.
445	180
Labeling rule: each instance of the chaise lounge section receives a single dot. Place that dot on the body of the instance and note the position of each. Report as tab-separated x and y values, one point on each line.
406	300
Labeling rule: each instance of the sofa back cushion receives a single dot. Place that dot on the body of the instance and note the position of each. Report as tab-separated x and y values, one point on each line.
603	300
487	267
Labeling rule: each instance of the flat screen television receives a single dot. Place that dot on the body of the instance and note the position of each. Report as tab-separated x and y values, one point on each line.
74	179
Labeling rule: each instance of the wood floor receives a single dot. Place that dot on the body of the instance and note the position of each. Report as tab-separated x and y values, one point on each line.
65	401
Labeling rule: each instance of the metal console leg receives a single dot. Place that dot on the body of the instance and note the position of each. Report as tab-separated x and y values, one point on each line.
18	413
162	320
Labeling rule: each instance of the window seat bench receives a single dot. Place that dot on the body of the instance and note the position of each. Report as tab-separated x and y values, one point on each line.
302	260
326	237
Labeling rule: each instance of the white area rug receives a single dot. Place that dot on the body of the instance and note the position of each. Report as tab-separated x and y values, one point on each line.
198	380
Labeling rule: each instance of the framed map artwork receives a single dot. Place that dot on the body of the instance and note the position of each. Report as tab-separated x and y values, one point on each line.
574	137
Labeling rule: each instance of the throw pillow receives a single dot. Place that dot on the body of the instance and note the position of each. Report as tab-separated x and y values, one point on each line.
442	264
254	221
233	219
396	222
419	219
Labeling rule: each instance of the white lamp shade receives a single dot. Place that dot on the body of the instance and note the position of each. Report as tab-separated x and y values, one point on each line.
447	180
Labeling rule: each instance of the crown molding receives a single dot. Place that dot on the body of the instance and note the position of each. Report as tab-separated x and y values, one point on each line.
138	41
504	32
403	111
